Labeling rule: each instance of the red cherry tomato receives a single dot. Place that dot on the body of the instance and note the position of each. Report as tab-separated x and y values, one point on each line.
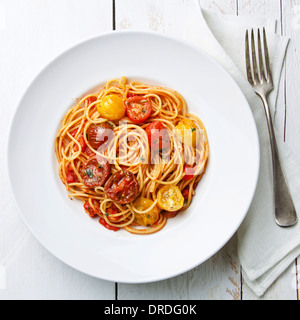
95	172
98	134
158	135
122	187
138	109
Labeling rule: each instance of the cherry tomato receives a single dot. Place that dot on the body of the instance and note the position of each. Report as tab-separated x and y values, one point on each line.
95	172
98	134
187	132
107	226
90	210
158	135
149	218
111	107
170	198
70	175
122	187
138	109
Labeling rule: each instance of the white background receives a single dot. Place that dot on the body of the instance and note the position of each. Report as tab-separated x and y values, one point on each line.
32	33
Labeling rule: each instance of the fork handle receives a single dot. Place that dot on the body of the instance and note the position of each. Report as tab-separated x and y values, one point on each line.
285	212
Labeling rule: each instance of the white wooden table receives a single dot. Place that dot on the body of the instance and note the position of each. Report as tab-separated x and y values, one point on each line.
33	32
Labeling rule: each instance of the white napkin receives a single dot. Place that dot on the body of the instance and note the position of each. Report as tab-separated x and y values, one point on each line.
265	250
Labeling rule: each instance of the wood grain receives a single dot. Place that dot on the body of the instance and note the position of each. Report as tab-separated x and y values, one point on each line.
34	32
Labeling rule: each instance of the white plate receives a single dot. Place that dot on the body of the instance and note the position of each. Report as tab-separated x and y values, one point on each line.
223	196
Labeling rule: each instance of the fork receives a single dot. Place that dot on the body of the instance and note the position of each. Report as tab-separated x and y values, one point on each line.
260	77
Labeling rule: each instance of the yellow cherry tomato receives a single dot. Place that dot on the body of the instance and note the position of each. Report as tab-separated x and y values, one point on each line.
170	198
149	218
187	132
111	107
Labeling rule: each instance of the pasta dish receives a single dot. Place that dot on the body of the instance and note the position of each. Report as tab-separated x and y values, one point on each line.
132	154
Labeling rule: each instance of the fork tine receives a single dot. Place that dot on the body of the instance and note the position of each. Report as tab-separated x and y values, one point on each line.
267	59
248	64
254	61
260	57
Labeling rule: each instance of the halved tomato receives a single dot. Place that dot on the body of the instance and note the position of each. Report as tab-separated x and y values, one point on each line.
95	172
158	135
170	198
111	107
138	109
98	134
122	187
149	218
188	132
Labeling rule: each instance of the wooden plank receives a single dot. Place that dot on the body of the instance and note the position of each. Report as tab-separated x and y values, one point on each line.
218	278
34	32
284	287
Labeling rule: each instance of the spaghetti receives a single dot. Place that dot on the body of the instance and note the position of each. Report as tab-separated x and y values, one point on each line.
133	154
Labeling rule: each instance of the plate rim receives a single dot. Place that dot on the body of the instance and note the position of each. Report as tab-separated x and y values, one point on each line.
116	33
